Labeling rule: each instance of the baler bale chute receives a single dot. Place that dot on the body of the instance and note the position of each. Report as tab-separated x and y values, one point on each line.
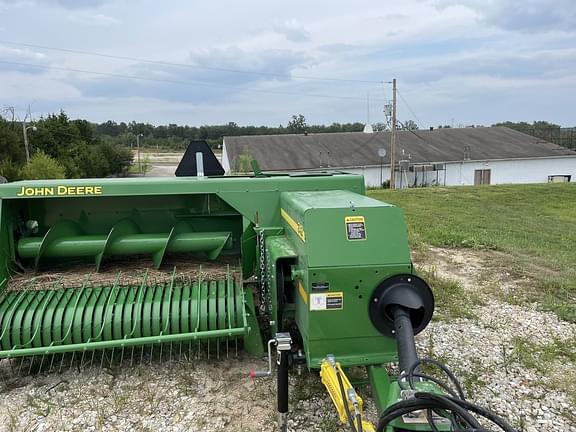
306	262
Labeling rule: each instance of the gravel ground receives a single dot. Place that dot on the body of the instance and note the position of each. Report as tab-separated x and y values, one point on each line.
207	395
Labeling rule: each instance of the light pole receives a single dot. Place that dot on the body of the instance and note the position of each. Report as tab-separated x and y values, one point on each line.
25	133
138	146
382	154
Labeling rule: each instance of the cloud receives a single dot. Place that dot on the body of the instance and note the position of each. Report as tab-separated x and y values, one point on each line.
292	30
539	65
10	57
524	16
259	64
209	75
67	4
92	19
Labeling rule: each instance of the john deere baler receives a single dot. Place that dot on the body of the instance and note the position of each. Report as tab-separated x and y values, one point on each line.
306	262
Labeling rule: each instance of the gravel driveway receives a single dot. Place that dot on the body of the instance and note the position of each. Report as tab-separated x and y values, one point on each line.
209	394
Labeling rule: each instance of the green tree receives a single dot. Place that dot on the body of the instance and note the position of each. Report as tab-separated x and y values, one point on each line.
244	161
297	124
11	142
409	125
544	130
42	166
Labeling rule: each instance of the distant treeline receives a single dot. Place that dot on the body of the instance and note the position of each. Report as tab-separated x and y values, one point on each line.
546	131
177	137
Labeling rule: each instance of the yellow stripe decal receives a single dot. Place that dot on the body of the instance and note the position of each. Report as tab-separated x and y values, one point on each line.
298	228
302	292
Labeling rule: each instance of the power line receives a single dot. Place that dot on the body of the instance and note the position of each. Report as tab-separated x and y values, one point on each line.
410	109
184	65
177	82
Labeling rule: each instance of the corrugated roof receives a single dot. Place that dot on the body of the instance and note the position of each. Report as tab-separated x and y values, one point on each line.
353	149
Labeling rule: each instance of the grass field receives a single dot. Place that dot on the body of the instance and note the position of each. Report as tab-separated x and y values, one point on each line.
527	231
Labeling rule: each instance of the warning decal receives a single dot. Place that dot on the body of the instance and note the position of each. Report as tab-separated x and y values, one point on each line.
355	227
327	301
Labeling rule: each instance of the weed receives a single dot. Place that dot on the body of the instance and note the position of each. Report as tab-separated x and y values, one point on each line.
544	358
451	299
13	422
39	406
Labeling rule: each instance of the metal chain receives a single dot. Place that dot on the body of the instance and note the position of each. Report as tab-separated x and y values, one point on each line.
267	290
263	294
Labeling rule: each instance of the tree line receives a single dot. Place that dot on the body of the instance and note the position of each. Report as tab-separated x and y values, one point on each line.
546	131
177	137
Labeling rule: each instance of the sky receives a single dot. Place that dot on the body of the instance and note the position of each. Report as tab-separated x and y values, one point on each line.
457	62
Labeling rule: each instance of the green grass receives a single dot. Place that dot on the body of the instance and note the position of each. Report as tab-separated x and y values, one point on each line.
452	300
531	230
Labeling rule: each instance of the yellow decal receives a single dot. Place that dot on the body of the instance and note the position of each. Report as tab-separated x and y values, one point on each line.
355	227
302	292
298	228
60	191
352	219
327	301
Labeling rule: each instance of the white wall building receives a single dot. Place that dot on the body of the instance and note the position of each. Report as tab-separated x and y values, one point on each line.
449	157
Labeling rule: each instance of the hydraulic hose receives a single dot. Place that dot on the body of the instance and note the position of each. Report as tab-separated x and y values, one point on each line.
345	401
453	405
404	333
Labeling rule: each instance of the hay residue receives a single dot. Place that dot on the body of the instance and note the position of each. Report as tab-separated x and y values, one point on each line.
126	272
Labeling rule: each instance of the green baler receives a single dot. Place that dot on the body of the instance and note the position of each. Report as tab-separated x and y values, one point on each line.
306	261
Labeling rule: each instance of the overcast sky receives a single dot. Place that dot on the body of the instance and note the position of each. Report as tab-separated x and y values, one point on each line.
192	62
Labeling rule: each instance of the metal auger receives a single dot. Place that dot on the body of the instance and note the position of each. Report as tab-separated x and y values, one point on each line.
68	239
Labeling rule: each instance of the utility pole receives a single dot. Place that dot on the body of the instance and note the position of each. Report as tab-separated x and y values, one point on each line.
25	133
138	147
393	139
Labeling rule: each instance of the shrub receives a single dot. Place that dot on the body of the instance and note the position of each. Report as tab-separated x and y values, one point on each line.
42	166
10	170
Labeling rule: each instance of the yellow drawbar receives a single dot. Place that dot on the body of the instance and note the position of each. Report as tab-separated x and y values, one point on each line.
329	371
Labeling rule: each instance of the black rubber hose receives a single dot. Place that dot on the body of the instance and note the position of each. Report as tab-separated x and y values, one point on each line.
436	381
503	424
404	334
359	422
461	409
425	401
412	372
345	400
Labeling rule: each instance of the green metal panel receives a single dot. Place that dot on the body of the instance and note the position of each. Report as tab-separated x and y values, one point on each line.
164	186
339	266
323	219
348	332
279	250
386	392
